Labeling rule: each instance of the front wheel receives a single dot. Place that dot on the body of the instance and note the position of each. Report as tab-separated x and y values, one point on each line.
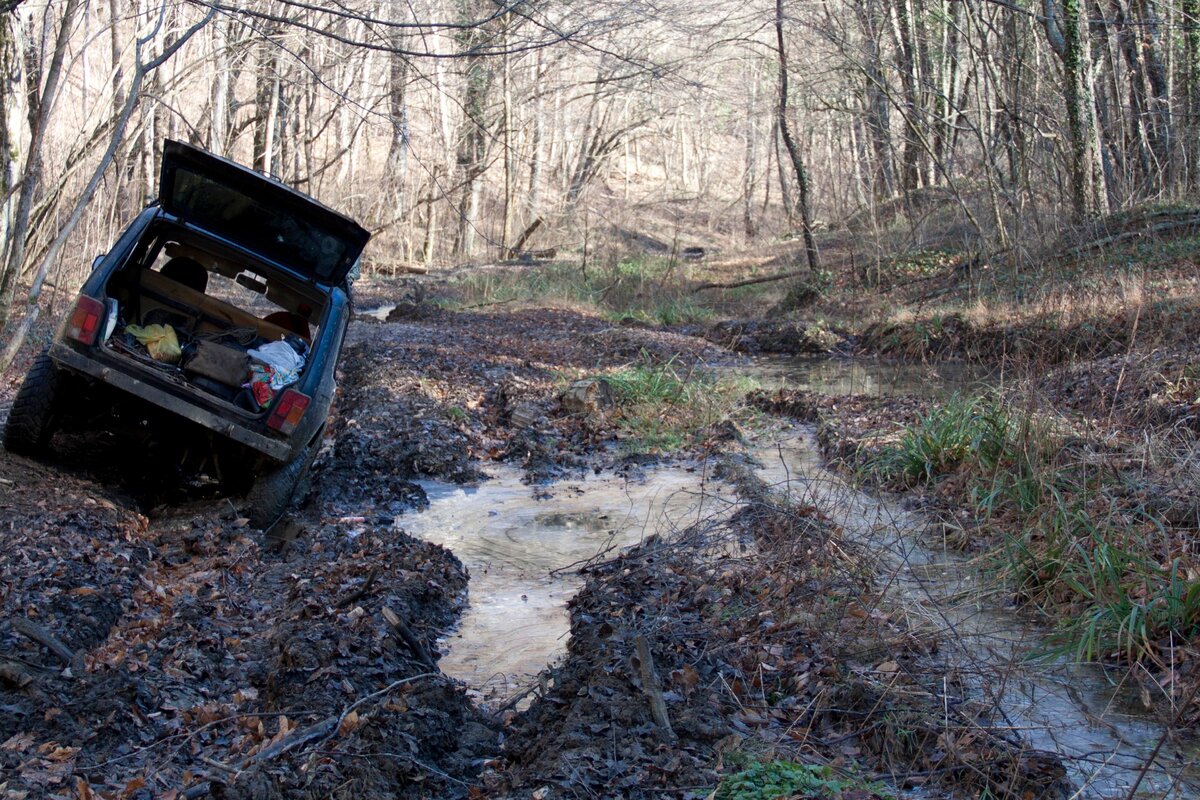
31	420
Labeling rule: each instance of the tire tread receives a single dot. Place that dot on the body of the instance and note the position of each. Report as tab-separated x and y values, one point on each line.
28	428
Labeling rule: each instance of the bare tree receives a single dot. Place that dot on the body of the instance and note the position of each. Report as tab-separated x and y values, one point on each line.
802	200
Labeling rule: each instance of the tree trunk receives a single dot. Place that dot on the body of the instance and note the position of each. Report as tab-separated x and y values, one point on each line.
914	117
1191	87
810	243
42	92
1065	32
750	163
397	161
876	99
473	136
266	105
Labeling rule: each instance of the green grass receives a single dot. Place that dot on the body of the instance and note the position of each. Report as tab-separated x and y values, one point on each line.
1074	545
771	780
942	439
663	408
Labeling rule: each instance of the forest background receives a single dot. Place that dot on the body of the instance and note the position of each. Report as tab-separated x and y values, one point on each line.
468	130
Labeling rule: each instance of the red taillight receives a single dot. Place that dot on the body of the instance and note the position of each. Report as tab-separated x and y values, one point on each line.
289	408
85	319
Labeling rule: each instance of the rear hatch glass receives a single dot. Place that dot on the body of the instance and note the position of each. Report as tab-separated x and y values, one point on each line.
258	213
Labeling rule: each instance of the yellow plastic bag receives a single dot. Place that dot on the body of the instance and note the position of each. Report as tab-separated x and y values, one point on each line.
160	341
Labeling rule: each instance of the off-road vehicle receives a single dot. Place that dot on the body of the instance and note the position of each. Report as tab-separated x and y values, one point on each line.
220	311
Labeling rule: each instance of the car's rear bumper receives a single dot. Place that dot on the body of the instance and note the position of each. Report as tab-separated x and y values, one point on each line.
278	449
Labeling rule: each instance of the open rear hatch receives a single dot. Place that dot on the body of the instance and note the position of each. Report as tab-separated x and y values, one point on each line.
290	229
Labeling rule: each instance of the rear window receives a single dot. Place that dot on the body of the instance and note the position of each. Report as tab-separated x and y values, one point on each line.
271	232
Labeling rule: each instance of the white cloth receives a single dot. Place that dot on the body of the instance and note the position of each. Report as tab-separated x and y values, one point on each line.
285	363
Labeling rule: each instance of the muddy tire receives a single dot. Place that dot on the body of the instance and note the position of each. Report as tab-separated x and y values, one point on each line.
31	420
272	494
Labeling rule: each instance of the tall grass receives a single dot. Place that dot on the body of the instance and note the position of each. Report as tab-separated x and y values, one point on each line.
662	407
1074	545
944	438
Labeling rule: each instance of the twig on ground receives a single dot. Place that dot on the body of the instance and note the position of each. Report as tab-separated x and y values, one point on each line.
43	636
356	594
327	727
652	686
401	630
511	702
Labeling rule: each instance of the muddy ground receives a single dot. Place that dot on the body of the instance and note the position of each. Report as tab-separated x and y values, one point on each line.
154	646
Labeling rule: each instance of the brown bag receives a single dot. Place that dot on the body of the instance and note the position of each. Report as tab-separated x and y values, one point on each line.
225	365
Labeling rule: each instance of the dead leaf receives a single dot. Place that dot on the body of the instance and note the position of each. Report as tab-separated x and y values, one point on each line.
18	742
349	723
686	679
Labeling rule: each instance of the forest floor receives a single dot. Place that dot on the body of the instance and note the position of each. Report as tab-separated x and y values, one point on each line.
156	647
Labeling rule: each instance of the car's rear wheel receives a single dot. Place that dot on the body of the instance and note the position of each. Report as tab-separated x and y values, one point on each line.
273	492
31	420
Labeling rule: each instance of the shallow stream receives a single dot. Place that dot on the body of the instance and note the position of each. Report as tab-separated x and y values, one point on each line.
523	553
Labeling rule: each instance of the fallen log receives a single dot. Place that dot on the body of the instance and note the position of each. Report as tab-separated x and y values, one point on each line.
750	281
1137	233
411	269
524	237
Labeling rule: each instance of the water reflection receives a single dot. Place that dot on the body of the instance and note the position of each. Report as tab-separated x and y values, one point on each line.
877	378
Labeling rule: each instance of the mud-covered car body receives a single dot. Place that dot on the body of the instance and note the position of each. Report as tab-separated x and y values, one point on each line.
255	237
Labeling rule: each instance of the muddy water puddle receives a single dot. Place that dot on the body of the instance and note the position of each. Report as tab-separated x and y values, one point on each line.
843	376
1070	709
523	553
